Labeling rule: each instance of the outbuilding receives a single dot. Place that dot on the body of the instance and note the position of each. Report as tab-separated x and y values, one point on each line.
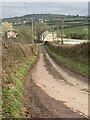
11	34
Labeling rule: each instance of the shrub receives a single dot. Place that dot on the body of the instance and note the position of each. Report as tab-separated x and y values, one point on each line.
75	35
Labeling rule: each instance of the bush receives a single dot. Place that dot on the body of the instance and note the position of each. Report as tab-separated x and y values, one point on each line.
75	35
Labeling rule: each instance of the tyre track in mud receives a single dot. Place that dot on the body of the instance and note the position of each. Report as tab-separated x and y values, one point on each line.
39	104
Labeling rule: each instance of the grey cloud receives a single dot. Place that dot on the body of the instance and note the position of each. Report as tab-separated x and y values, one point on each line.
18	8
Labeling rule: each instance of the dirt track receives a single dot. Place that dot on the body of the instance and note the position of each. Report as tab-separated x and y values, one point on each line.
52	91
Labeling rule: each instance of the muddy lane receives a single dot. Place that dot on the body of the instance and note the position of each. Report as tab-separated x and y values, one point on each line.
51	92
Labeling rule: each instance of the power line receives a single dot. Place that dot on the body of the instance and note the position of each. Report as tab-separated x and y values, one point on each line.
26	7
32	21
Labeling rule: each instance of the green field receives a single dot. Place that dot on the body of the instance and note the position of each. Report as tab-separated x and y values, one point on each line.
80	29
66	31
25	33
20	27
77	29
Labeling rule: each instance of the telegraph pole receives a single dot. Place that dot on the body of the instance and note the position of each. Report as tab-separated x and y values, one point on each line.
58	32
33	38
53	33
62	31
35	33
32	33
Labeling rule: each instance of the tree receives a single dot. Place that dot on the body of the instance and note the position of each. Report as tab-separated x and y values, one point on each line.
40	28
77	15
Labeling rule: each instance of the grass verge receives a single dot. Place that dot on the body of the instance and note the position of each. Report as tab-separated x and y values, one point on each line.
69	63
13	81
13	94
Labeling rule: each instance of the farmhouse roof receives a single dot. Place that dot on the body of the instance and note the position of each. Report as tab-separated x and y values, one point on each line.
12	31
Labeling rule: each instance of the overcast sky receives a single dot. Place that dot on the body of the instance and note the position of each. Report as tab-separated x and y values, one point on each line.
12	9
45	0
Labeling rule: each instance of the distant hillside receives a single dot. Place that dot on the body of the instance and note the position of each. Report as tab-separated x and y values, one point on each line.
45	16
